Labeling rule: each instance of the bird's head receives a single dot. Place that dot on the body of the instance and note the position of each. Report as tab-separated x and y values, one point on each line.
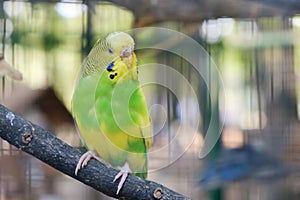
122	44
114	45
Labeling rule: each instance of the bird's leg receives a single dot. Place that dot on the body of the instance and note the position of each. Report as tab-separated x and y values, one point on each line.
84	159
123	174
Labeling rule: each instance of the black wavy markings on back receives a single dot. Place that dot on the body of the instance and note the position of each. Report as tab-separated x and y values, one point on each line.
92	63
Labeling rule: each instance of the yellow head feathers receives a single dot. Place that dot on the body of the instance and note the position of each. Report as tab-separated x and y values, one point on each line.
114	45
119	70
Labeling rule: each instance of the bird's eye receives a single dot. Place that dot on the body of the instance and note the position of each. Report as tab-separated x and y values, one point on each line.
110	50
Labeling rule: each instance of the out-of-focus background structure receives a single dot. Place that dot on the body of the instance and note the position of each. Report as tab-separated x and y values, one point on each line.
255	46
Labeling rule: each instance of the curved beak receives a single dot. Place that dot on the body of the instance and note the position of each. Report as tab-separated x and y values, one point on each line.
126	52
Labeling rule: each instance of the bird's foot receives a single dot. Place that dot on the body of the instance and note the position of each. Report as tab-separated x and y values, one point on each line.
84	159
123	175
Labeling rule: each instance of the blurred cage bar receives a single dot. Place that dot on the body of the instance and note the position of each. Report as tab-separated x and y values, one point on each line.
256	52
272	124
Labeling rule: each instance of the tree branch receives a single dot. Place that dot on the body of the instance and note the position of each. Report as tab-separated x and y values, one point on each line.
149	12
43	145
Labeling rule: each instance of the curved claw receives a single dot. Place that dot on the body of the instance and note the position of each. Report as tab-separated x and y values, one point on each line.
84	159
125	170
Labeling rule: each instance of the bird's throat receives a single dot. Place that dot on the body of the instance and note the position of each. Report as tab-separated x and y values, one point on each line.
128	60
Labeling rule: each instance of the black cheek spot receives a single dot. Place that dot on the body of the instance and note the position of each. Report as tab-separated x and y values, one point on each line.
116	74
111	76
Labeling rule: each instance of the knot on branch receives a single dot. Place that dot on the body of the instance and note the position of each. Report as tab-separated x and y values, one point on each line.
26	138
158	192
26	132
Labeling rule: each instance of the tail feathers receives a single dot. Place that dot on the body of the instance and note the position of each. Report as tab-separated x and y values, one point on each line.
141	175
144	173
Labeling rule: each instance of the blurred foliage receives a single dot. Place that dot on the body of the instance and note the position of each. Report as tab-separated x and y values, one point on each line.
48	39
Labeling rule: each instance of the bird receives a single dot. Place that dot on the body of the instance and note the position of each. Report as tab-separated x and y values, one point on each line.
245	162
110	108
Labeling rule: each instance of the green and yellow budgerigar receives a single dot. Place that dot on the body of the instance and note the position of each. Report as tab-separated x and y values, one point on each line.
110	109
